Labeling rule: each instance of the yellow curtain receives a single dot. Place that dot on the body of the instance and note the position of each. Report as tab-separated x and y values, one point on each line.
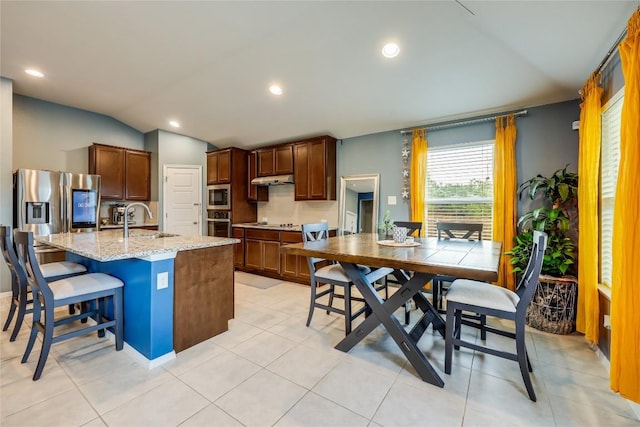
504	193
625	287
588	172
418	176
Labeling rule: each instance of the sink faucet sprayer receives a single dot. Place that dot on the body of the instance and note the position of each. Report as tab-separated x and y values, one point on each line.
126	211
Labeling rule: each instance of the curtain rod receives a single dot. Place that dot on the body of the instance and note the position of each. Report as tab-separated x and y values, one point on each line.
609	54
464	123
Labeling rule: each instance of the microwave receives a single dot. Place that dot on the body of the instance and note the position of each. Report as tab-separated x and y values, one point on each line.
219	197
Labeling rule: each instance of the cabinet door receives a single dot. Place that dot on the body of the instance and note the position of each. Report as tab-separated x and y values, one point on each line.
317	170
266	162
284	159
271	256
212	168
256	193
108	162
238	248
301	174
253	253
137	175
224	166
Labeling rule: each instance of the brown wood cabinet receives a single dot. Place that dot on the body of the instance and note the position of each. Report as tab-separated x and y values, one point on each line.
262	250
126	173
203	294
294	267
315	169
229	165
256	193
238	248
276	160
219	167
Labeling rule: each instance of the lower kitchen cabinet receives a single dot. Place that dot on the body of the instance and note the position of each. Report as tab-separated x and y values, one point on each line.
238	248
294	267
262	250
259	253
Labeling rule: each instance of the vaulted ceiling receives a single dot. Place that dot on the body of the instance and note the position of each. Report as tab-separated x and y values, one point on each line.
209	65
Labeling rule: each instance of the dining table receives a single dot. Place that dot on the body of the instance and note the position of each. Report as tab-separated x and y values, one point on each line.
414	263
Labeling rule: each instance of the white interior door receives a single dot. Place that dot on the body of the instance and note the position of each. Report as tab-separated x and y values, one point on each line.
182	199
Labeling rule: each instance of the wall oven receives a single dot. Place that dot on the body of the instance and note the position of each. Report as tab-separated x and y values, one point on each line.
219	223
219	197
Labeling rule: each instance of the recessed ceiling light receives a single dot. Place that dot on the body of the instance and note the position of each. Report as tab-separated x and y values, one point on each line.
390	50
34	73
275	89
174	123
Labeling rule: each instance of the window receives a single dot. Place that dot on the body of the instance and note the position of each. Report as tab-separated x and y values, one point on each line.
460	185
609	160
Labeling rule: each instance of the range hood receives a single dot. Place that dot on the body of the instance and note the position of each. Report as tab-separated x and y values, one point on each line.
273	180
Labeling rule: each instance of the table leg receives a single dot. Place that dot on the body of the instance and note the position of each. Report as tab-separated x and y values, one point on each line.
430	316
382	312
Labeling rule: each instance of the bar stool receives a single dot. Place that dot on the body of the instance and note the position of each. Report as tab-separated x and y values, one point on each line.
21	299
72	290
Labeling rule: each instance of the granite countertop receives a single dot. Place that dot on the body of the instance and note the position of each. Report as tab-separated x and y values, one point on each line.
121	226
109	245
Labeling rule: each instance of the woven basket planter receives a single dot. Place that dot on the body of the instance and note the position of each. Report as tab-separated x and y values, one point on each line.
553	307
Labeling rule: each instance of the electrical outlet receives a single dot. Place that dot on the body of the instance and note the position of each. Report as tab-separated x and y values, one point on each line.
163	280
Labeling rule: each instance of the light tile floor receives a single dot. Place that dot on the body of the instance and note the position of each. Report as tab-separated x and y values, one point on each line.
271	370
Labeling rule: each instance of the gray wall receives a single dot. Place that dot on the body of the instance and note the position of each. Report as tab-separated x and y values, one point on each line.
6	154
545	143
56	137
175	149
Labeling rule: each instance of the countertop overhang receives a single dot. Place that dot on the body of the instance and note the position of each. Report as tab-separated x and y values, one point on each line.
110	245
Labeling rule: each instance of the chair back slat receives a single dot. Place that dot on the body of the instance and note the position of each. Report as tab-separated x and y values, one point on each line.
24	248
450	229
312	232
531	276
414	228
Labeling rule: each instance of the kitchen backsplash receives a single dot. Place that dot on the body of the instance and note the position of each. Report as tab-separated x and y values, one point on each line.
283	209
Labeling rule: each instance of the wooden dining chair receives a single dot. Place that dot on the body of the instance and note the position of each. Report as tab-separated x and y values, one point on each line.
330	273
491	300
21	297
94	288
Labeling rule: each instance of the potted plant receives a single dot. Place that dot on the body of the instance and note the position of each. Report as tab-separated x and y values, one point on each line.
387	224
553	305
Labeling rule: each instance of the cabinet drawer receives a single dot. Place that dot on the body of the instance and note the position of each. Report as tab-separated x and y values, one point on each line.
291	237
262	234
237	232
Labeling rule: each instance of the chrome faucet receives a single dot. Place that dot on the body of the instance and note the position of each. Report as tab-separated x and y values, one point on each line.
126	214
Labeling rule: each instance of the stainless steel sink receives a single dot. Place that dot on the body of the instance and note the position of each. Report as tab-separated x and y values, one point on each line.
157	235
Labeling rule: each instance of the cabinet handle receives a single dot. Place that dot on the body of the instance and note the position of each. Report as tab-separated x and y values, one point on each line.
195	222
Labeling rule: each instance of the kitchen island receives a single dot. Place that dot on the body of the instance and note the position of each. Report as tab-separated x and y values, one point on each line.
178	289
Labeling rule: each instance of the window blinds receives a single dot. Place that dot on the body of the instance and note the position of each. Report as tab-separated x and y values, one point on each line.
460	185
610	158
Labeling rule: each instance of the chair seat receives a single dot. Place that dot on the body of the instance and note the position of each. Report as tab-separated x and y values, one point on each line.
336	273
83	285
61	268
482	294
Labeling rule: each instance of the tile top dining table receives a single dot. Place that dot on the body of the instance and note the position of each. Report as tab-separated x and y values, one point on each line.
476	260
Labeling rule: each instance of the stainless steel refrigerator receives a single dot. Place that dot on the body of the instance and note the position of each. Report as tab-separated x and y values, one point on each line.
50	202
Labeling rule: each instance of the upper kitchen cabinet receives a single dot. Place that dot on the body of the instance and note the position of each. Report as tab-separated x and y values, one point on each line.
256	193
314	162
219	166
275	160
126	173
